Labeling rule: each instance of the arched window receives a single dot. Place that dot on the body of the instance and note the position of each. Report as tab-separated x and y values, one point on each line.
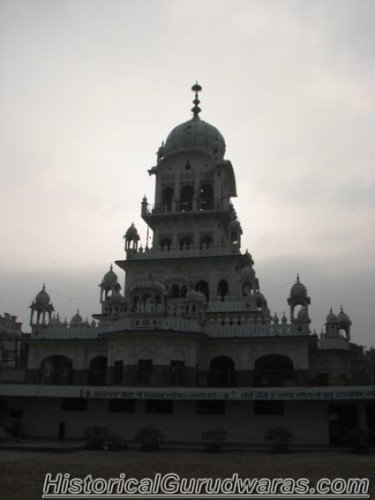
234	237
97	371
274	370
186	198
206	241
175	291
135	303
183	291
247	289
222	289
56	370
185	242
222	372
206	196
166	243
167	198
202	286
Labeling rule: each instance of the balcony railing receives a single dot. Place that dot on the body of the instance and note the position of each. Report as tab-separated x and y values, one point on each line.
166	376
188	206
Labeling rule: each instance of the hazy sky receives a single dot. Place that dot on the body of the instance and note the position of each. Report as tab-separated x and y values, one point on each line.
89	89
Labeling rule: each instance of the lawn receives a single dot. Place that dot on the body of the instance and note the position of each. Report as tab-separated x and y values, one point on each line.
22	473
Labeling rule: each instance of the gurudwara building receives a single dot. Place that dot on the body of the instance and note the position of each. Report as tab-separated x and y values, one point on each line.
184	339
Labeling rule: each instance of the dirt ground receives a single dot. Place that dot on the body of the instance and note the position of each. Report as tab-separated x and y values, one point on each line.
22	473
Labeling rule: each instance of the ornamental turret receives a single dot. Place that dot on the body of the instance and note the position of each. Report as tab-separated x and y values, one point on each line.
41	309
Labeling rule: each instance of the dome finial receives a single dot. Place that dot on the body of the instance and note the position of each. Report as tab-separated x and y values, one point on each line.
196	109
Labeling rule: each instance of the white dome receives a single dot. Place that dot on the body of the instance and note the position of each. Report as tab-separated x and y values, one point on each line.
195	296
247	273
195	134
331	317
42	297
109	279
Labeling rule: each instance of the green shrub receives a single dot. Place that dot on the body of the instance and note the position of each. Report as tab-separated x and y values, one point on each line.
150	438
360	439
97	438
280	437
115	443
215	439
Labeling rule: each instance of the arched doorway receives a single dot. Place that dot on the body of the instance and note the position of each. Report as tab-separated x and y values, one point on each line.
167	199
202	286
206	196
97	371
56	370
222	289
186	198
222	372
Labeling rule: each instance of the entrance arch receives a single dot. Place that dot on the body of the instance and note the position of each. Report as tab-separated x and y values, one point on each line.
222	372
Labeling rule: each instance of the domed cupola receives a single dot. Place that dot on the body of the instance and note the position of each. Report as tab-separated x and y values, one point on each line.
195	134
108	283
344	322
131	238
109	279
195	296
42	297
41	309
298	289
247	273
331	318
76	320
343	318
298	297
332	324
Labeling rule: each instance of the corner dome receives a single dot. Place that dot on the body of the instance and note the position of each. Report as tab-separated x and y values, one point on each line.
109	279
247	273
195	296
343	318
331	317
42	297
298	289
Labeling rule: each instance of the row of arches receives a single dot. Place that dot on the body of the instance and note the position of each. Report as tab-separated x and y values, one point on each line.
176	291
205	198
270	370
58	370
186	242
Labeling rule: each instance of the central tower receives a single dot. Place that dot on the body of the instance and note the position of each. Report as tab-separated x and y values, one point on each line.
196	242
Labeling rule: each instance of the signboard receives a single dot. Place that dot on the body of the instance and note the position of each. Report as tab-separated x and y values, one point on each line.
191	393
252	394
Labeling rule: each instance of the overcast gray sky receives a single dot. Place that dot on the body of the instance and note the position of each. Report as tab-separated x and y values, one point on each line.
89	89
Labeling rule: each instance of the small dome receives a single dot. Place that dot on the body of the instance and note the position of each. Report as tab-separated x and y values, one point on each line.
195	296
132	233
109	279
303	315
284	319
42	297
195	134
150	285
247	273
176	278
259	297
235	225
331	317
343	318
76	319
298	289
